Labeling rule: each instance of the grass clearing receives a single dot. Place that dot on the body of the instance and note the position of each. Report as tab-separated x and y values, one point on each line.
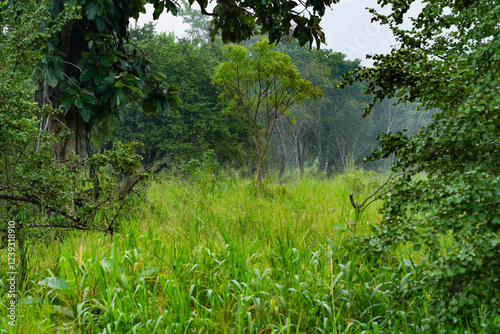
209	257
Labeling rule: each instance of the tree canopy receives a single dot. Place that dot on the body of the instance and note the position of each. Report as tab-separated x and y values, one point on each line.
260	85
88	72
238	20
198	125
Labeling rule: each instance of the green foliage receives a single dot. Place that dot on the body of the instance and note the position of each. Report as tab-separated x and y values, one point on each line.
199	24
192	167
265	70
363	189
222	261
238	20
204	173
199	125
94	71
100	76
260	89
270	189
36	192
209	165
448	60
26	152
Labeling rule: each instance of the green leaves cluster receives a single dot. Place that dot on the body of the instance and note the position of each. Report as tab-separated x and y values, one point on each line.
260	69
260	85
205	172
26	152
98	74
199	125
35	190
450	61
239	20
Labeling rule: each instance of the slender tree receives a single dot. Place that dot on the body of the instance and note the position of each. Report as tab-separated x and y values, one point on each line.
260	85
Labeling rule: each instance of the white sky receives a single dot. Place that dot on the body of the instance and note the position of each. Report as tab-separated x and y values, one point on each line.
347	27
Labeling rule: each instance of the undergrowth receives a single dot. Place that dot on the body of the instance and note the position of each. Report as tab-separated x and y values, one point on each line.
209	257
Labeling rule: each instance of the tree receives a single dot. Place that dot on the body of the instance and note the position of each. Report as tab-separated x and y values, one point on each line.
199	125
260	85
199	24
89	73
35	193
449	60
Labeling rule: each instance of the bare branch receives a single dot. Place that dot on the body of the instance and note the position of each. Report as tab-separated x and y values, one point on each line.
361	207
70	63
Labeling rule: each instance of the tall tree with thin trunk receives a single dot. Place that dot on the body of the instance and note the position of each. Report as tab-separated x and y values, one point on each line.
260	85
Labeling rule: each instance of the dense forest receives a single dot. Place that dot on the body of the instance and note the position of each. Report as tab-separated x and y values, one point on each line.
326	135
245	178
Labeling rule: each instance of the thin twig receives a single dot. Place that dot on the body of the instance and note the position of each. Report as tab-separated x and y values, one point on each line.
110	227
376	191
75	226
364	205
70	63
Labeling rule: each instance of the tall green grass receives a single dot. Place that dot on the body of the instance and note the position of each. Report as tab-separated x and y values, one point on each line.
209	257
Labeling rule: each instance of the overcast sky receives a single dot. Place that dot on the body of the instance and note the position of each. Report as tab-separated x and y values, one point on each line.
347	27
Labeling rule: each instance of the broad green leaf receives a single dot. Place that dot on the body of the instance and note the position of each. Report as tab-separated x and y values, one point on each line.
86	114
91	8
159	76
119	83
134	89
54	283
50	77
87	73
101	23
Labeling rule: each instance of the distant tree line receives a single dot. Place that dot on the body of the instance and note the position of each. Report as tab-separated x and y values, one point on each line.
326	135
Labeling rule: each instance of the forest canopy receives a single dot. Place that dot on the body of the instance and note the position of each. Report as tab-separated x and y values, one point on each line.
93	108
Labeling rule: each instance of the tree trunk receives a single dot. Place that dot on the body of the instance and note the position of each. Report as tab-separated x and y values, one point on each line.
76	139
319	150
281	150
318	135
301	154
259	175
297	155
303	159
69	48
327	157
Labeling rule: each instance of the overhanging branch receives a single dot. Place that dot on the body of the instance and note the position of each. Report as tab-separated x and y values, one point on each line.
37	202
